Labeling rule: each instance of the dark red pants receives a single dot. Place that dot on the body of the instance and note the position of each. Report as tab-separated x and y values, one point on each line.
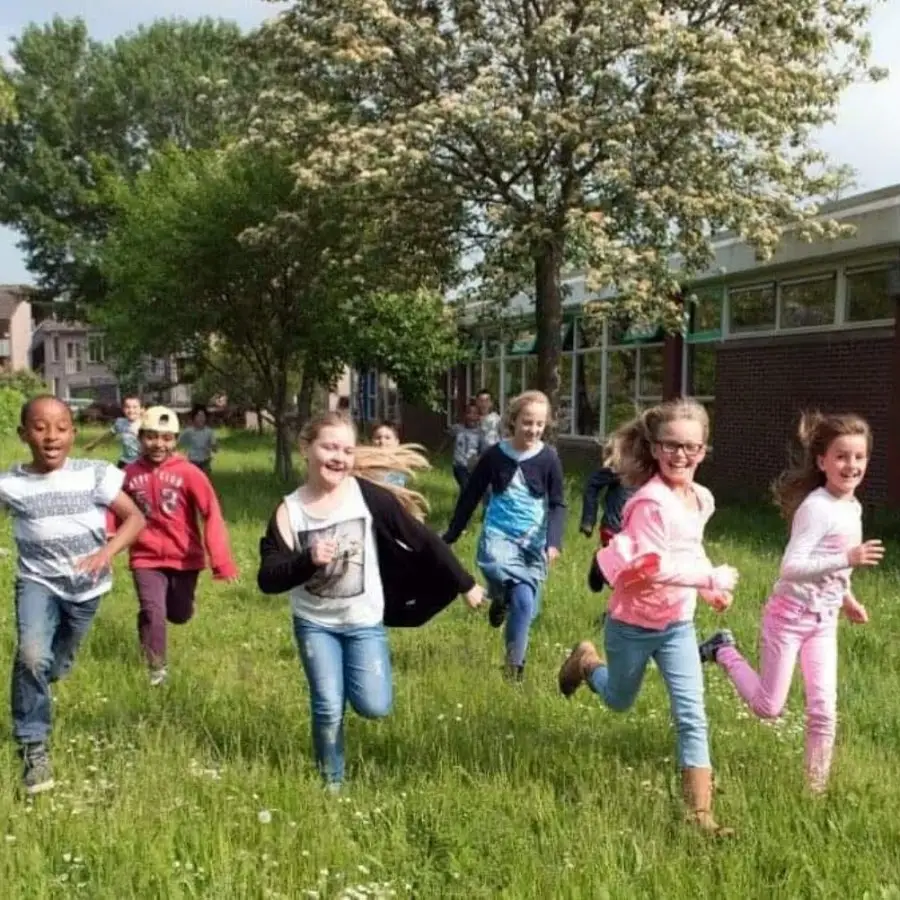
164	595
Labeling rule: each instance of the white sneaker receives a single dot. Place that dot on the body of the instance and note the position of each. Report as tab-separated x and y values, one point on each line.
157	677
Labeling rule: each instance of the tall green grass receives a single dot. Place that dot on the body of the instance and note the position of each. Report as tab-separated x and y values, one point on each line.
472	788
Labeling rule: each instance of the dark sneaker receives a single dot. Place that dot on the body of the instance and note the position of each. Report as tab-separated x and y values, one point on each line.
516	674
586	530
498	609
712	645
37	776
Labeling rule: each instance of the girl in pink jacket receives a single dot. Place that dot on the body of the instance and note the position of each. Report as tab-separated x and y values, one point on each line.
656	566
817	497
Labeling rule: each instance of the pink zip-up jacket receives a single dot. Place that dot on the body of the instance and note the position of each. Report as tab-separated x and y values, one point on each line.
656	564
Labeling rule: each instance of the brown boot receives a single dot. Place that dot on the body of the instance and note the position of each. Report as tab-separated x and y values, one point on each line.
697	788
583	659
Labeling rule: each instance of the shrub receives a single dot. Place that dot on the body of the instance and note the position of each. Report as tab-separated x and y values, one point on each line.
11	401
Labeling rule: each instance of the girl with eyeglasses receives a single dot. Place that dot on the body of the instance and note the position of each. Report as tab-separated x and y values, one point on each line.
657	566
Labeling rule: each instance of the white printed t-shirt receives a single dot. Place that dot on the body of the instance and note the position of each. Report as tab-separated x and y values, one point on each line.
348	591
59	518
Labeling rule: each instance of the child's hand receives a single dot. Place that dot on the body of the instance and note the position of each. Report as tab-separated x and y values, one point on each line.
724	579
552	555
322	552
855	611
868	553
475	597
721	600
95	564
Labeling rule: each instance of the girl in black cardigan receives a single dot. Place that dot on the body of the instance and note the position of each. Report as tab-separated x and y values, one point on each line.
355	558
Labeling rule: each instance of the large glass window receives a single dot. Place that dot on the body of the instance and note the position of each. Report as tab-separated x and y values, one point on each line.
650	384
867	295
588	388
531	373
491	379
620	388
752	308
805	304
564	413
705	310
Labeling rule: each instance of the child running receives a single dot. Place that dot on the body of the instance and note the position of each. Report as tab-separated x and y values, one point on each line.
355	559
199	440
523	525
656	565
125	430
59	508
817	497
386	435
615	497
467	445
168	556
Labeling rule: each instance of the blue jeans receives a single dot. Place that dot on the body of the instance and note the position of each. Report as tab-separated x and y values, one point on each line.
341	664
674	649
49	631
522	611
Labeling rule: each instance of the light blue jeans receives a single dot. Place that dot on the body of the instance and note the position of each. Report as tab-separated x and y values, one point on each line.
674	649
49	631
342	664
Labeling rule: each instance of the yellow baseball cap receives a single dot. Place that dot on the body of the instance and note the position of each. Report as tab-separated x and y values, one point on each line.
160	419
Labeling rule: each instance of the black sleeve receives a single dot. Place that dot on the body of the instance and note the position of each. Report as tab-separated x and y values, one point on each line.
468	501
281	568
385	507
556	513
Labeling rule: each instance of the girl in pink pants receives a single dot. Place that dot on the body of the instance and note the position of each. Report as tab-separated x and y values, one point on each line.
817	497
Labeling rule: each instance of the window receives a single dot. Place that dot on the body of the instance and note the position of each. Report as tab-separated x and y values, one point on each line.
512	384
701	378
588	393
621	381
74	354
96	349
564	413
650	380
531	373
705	311
868	299
752	308
54	356
491	379
807	304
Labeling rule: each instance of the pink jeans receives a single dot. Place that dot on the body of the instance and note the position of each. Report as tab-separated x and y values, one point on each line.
789	629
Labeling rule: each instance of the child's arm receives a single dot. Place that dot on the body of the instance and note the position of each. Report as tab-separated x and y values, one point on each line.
556	509
469	499
215	532
131	524
104	438
652	561
808	530
281	566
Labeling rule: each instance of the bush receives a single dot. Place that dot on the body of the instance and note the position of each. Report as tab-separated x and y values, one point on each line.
11	401
25	382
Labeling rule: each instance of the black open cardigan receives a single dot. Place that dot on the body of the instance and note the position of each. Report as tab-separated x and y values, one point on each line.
419	572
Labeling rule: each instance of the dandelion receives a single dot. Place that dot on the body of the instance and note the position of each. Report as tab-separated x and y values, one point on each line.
264	816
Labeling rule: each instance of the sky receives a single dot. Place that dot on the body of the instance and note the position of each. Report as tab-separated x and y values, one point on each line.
866	134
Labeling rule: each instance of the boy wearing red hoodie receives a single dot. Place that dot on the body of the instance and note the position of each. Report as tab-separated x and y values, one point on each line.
168	556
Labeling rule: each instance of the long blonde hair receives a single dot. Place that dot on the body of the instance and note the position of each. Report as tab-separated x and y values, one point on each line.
815	433
373	463
519	402
629	451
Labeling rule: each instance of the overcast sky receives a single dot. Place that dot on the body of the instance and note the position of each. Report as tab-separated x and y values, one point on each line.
866	135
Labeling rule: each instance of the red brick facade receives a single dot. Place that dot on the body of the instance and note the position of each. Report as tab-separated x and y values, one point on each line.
761	386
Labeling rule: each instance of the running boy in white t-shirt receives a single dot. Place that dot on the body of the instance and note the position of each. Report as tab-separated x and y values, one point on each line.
59	510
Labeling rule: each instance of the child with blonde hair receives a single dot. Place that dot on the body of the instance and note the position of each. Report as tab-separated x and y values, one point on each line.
656	566
355	557
523	525
817	496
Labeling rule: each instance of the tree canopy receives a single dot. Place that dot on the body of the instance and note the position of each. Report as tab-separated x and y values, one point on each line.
618	136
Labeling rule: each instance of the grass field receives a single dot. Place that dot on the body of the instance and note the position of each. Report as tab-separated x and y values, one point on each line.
471	788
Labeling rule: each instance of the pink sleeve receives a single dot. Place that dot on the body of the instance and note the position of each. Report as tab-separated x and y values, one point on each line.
215	533
643	553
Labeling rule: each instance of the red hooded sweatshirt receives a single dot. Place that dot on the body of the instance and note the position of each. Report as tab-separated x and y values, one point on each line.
170	495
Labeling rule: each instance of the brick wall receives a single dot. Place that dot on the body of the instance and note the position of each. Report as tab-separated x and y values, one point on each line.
761	387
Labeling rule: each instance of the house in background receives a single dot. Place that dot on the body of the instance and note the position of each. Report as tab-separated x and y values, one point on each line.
73	360
15	326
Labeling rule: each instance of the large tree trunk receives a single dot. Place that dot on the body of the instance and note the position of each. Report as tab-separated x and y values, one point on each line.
548	317
305	395
284	466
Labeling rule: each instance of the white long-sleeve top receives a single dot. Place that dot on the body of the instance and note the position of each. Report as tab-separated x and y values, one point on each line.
815	568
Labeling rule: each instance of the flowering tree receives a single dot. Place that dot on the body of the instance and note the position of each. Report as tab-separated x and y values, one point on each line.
615	135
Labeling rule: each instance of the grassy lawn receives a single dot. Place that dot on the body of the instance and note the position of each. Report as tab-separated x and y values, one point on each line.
471	788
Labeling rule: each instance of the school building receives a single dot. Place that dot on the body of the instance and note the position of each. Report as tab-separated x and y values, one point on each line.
814	327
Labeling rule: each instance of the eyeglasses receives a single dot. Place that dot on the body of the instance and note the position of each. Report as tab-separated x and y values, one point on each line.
671	448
